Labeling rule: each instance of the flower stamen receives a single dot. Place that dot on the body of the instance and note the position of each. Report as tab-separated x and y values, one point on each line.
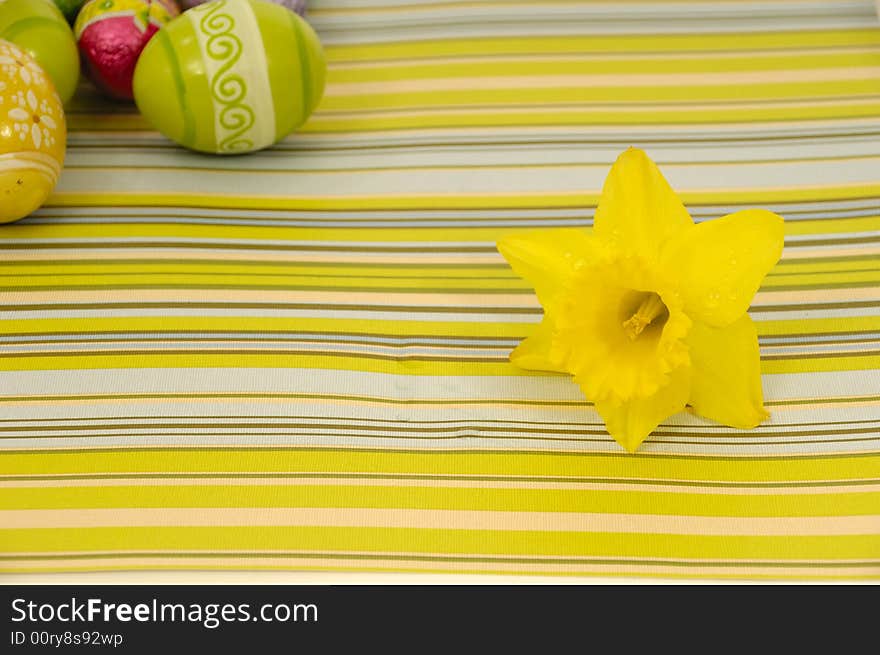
649	309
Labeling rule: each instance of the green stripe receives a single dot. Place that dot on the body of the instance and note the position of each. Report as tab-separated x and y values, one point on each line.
189	127
305	73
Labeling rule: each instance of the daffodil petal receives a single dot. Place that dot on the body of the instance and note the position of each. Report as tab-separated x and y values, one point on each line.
535	352
546	258
720	263
630	422
726	373
638	210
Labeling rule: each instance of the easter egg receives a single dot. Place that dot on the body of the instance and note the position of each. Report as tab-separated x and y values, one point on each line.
112	34
231	76
69	8
38	28
32	134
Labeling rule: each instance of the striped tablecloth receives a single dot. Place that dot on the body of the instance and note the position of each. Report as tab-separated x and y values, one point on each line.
297	359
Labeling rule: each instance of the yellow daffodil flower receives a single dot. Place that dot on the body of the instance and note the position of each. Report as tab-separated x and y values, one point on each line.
648	312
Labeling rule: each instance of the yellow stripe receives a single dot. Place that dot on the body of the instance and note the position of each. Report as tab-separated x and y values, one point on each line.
457	201
820	364
807	326
592	94
442	498
573	65
280	360
623	43
616	465
596	115
832	225
269	324
827	279
419	366
400	540
553	83
370	326
790	266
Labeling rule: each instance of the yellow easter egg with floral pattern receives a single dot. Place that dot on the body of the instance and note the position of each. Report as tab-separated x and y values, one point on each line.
33	134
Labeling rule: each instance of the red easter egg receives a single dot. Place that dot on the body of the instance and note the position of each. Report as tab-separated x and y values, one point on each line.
111	35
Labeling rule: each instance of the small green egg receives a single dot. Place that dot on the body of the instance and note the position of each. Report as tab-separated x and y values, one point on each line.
38	28
230	76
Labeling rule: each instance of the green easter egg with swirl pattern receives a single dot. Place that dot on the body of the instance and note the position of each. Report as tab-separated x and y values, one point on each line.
38	28
230	76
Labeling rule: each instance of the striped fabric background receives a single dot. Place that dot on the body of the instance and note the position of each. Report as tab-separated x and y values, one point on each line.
297	359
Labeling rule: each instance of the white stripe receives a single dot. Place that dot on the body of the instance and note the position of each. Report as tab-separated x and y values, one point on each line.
256	95
576	417
583	522
276	347
608	80
378	315
600	443
364	32
792	211
44	164
484	155
425	387
299	348
748	7
386	315
727	134
576	180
